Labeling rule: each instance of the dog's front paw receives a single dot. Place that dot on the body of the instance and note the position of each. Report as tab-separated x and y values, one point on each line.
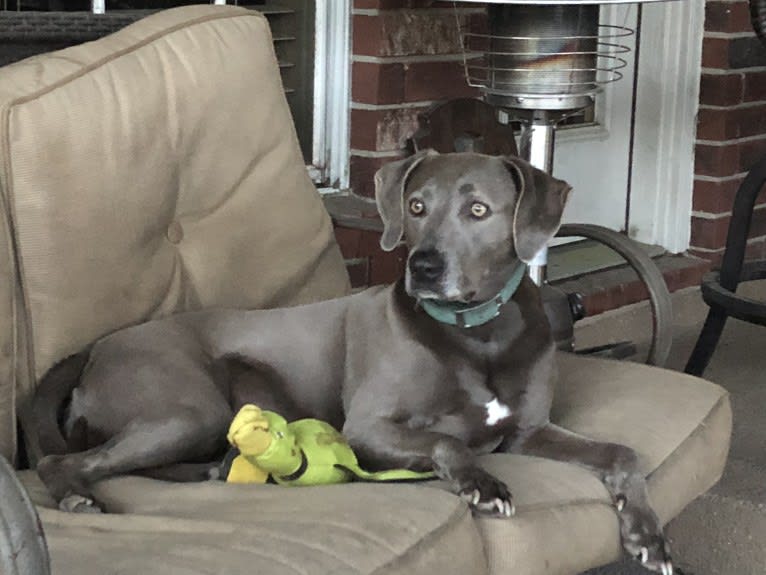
653	553
485	494
79	504
642	537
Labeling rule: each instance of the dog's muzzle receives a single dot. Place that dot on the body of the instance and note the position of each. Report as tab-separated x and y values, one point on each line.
426	267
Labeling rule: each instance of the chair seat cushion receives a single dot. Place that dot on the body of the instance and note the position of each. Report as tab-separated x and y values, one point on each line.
214	527
565	522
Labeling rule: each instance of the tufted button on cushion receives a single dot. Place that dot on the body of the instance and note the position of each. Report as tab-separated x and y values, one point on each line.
175	233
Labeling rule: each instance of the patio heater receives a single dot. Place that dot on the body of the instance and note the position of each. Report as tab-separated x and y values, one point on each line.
540	62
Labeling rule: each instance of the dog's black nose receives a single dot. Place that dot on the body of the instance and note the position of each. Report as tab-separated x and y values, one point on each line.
427	265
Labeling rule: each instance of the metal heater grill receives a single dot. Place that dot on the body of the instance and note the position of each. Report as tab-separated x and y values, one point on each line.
544	57
540	63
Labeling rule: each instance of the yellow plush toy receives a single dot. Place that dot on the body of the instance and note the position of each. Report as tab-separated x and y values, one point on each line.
303	452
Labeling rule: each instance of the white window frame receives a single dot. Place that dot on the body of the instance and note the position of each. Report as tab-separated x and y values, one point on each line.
331	146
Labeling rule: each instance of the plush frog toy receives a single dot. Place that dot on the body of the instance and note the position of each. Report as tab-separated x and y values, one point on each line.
303	452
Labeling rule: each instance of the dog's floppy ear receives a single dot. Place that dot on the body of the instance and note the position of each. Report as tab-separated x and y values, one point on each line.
538	208
390	181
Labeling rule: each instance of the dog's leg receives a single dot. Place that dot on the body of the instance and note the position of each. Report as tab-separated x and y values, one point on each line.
387	445
617	467
142	444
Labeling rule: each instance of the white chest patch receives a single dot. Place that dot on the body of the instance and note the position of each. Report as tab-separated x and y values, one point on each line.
496	411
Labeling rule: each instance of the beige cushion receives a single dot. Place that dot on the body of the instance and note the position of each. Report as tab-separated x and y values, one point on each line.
152	171
565	522
679	425
212	527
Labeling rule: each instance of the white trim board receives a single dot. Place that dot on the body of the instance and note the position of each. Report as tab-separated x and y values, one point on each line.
332	94
667	101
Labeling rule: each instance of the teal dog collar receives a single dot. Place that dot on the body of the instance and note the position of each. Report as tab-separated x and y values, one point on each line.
464	315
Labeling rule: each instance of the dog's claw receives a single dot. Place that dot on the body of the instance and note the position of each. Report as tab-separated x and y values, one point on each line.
485	494
620	502
667	568
643	555
78	504
471	497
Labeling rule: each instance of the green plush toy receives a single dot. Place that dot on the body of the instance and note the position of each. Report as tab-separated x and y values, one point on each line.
303	452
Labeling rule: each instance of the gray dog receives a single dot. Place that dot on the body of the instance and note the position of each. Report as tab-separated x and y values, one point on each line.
456	360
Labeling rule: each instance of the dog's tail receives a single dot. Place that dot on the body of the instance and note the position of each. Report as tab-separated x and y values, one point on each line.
47	406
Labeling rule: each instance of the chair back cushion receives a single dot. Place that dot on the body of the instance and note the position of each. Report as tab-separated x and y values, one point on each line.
154	171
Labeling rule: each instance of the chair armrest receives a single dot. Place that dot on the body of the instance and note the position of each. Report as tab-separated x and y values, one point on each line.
23	550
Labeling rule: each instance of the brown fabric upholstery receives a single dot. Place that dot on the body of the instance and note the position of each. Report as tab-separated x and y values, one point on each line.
134	186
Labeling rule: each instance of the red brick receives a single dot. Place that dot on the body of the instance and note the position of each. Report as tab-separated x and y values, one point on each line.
383	130
349	241
758	225
713	258
368	35
746	52
716	160
364	129
755	87
755	250
723	124
746	122
362	173
750	152
721	90
712	125
436	81
382	267
358	272
634	292
727	17
715	53
387	267
672	279
599	302
715	197
692	275
709	234
409	32
377	83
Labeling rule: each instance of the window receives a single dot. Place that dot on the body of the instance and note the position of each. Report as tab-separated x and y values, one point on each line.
311	40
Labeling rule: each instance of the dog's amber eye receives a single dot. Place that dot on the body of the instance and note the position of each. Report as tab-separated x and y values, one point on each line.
479	210
417	207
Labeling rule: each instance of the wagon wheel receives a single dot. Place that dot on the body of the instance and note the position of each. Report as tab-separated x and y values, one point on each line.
650	275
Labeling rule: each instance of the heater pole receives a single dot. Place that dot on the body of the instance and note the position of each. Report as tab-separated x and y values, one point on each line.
538	137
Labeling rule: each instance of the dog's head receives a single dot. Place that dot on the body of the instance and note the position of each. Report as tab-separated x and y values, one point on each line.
467	220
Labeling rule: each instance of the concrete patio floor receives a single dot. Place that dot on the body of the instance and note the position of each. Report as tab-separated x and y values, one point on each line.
724	531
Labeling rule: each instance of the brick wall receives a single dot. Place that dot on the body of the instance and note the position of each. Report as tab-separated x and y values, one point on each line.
731	134
406	56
